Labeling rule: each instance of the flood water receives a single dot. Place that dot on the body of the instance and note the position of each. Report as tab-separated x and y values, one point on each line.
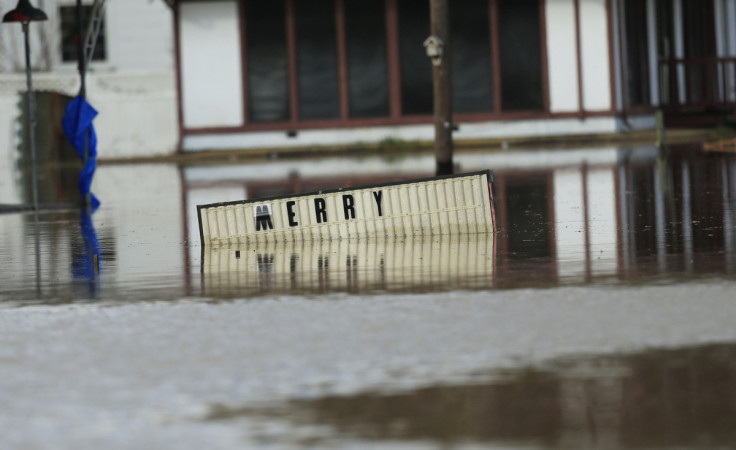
601	314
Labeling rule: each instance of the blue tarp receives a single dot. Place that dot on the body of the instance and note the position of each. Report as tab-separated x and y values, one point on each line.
77	125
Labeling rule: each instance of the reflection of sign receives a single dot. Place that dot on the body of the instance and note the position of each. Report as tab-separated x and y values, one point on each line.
457	204
349	264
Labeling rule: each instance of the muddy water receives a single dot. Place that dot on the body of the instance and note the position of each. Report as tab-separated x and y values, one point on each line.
601	313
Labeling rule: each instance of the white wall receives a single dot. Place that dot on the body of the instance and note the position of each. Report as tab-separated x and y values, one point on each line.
471	131
140	34
137	110
211	69
561	55
595	55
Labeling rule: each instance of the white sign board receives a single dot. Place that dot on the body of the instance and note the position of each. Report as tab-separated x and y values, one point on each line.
455	204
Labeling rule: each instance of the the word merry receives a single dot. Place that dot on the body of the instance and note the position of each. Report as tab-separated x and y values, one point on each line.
263	213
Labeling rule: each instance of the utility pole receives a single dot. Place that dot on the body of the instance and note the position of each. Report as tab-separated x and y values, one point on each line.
438	49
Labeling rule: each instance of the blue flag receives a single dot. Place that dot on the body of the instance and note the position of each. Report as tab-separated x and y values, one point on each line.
77	125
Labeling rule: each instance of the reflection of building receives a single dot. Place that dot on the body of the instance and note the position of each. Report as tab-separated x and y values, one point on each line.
635	217
140	242
297	73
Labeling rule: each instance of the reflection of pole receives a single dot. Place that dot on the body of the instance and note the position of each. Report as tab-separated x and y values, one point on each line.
31	101
31	117
441	70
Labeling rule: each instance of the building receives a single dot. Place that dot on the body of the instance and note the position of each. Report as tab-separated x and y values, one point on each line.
334	72
130	80
246	74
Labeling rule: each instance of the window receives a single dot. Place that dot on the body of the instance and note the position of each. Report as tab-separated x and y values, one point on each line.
317	60
637	53
69	37
472	77
365	36
267	78
416	68
520	49
345	60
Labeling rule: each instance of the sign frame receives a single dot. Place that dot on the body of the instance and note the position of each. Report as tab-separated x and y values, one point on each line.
259	205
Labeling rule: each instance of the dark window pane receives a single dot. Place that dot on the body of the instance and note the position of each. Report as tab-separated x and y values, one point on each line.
267	78
699	35
699	40
68	16
520	54
472	80
416	68
317	59
665	45
365	32
637	53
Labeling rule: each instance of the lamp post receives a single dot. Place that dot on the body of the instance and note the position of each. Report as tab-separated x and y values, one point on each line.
24	13
438	49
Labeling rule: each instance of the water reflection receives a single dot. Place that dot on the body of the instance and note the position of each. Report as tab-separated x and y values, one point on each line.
655	399
423	262
87	259
591	222
566	216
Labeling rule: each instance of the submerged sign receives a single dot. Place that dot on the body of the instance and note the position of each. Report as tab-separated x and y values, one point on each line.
456	204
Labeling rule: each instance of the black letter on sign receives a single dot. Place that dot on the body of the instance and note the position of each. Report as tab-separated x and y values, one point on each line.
347	205
320	209
377	196
290	212
263	218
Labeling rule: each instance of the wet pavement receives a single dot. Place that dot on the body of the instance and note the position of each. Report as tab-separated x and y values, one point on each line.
600	315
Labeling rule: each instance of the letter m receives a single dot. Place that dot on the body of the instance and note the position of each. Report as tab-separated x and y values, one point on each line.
263	217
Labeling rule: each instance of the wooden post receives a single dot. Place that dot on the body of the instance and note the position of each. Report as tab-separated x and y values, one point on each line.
441	71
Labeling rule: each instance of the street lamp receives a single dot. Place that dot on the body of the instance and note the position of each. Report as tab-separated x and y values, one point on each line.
25	14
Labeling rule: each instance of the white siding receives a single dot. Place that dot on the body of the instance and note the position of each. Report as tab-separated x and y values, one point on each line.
595	55
139	34
137	110
211	70
561	55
